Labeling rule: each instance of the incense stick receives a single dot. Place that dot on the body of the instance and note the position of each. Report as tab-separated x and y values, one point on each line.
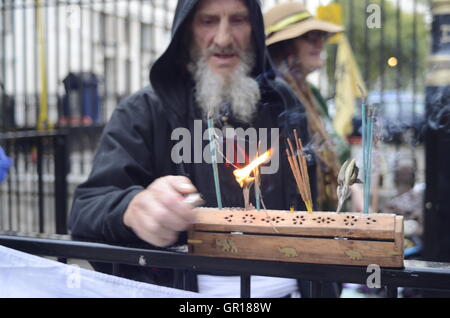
257	190
307	185
304	167
214	163
299	167
367	127
295	172
301	186
257	183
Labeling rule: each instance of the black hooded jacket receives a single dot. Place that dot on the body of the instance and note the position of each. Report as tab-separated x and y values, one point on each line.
135	148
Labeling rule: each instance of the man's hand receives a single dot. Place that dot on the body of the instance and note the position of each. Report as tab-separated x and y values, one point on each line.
160	212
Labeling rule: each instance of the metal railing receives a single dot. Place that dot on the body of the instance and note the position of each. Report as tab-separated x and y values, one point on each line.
35	196
415	274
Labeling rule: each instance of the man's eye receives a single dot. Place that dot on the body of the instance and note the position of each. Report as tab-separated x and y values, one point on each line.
238	20
207	21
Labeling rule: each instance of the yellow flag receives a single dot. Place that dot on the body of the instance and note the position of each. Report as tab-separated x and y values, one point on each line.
331	13
43	121
349	87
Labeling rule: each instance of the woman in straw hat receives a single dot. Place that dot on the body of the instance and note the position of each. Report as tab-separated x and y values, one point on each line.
295	40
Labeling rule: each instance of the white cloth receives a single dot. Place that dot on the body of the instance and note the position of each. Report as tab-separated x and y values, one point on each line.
28	276
260	287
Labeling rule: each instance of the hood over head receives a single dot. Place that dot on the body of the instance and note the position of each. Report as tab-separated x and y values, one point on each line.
168	74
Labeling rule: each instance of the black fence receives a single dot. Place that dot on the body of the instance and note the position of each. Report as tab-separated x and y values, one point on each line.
67	64
48	46
34	197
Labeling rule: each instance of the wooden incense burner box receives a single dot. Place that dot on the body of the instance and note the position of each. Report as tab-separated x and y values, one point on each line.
319	238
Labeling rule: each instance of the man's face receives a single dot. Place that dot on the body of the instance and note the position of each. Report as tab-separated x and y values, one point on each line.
221	30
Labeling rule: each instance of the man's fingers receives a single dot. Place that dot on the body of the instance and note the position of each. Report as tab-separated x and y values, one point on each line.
170	192
177	206
169	219
182	185
157	235
160	212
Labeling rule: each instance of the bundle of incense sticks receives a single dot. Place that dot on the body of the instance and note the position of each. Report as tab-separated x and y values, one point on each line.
299	167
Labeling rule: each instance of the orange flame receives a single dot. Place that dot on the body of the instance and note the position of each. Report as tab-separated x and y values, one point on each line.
243	175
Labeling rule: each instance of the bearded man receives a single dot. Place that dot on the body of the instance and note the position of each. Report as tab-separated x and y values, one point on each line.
215	68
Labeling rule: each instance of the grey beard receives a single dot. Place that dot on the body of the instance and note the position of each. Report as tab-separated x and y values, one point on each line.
238	88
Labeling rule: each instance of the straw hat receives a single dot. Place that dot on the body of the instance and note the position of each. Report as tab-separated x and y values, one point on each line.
290	20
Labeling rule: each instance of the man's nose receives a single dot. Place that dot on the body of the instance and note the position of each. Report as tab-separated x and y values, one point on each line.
223	37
